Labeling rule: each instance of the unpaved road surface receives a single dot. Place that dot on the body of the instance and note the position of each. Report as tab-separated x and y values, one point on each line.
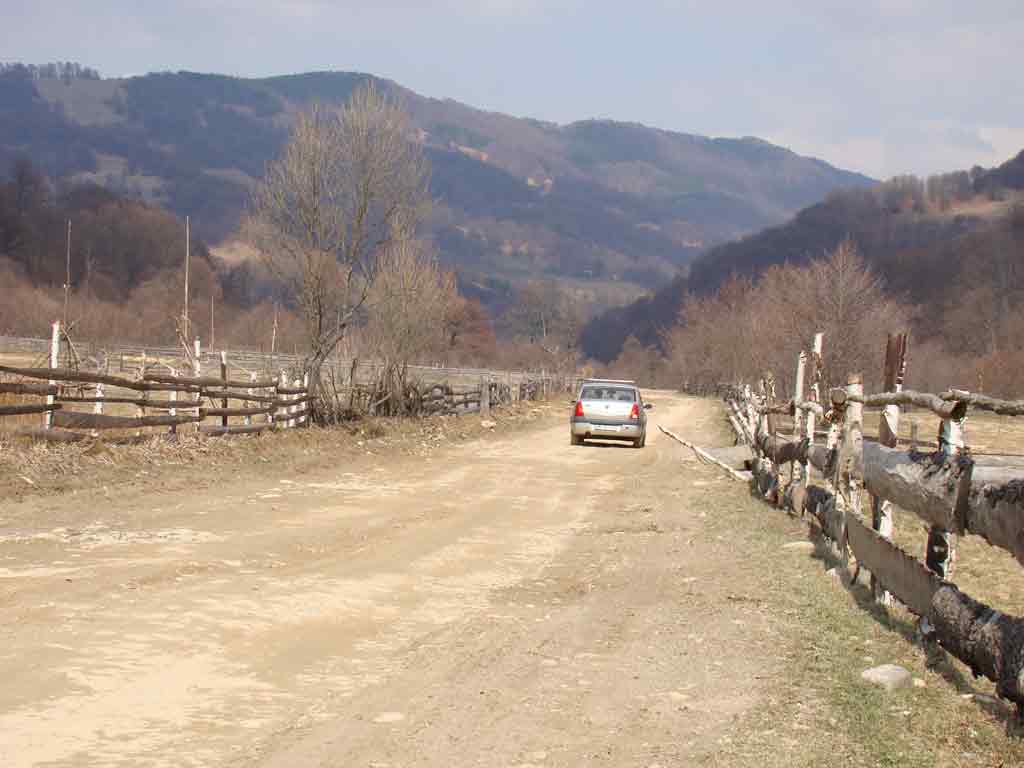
510	601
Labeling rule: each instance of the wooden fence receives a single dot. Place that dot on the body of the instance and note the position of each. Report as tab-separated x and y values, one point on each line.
79	398
849	485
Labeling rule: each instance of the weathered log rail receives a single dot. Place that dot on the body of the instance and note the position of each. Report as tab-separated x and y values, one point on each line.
953	491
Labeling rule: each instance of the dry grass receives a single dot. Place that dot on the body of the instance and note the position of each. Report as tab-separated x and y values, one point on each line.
32	468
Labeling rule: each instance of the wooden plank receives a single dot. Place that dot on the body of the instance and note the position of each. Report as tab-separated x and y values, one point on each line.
903	575
71	420
23	410
290	391
732	472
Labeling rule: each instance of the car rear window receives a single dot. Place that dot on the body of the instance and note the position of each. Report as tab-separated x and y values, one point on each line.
618	394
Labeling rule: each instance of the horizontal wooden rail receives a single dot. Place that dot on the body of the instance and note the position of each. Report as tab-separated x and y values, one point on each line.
69	420
944	409
985	403
24	410
239	411
220	394
11	388
208	381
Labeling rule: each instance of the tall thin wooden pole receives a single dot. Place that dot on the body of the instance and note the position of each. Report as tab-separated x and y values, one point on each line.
187	255
888	430
54	363
815	394
67	278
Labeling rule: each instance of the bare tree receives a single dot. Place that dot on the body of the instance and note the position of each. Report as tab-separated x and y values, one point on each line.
349	185
405	317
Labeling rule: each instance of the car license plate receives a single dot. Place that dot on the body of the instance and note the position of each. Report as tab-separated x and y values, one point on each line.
605	428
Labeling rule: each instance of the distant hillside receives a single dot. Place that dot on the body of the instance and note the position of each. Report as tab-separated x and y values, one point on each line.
614	204
917	234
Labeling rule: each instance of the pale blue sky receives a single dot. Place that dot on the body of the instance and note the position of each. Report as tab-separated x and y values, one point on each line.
880	87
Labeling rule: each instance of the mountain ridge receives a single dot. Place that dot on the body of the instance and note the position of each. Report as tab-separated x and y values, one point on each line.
617	205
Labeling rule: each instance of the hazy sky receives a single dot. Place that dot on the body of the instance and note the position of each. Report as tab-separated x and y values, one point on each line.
878	86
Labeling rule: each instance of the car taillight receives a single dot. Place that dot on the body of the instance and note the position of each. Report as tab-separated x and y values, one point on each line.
579	408
635	413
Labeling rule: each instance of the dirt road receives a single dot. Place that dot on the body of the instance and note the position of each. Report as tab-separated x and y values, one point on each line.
509	601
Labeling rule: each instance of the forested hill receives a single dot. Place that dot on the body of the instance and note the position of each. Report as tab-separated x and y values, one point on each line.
606	204
918	235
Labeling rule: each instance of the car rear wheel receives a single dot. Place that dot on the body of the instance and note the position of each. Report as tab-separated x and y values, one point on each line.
575	440
640	443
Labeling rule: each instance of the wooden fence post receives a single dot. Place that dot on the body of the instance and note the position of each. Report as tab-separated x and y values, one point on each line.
485	397
851	472
796	474
173	397
98	406
888	432
54	363
140	411
250	391
809	424
941	549
224	378
197	371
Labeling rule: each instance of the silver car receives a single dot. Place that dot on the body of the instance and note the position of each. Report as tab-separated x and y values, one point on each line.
607	409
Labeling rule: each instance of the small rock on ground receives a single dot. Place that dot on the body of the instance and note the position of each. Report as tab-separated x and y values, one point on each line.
802	546
890	676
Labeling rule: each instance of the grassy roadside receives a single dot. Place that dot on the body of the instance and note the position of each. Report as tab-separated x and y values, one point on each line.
818	710
29	468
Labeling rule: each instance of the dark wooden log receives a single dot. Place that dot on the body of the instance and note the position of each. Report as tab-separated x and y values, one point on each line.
821	504
12	388
987	641
65	374
70	420
291	391
207	381
24	410
821	458
223	393
139	401
931	485
781	451
226	412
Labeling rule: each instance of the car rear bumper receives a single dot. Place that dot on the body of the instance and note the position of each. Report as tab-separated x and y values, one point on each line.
610	430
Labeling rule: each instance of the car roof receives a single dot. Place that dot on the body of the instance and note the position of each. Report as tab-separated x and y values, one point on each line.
610	381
